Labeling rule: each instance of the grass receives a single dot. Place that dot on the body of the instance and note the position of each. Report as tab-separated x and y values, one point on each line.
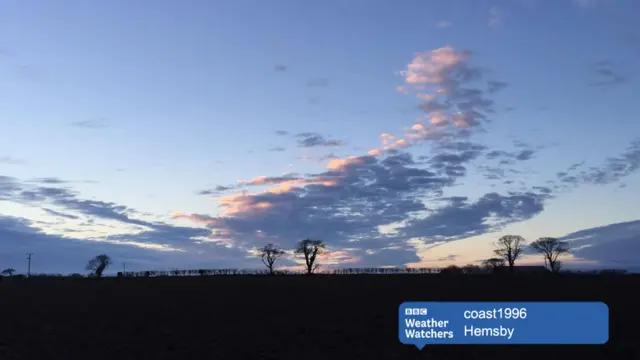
282	317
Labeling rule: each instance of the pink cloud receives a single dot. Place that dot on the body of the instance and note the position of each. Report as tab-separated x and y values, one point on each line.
242	203
464	120
436	78
343	163
328	258
402	89
438	118
200	219
386	138
339	257
441	71
432	67
402	143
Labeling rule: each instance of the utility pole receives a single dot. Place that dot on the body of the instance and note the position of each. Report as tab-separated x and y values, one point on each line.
29	264
124	269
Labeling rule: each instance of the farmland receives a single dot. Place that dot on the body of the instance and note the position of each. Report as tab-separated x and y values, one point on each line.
280	317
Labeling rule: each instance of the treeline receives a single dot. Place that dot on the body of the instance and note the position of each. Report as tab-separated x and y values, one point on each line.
449	270
508	250
219	272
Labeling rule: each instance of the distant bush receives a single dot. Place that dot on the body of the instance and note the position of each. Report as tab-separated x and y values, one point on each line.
473	270
612	272
452	270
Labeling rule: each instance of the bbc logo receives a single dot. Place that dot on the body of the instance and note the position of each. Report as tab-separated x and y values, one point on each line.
415	311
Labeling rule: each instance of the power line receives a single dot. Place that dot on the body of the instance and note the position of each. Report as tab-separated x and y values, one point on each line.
29	264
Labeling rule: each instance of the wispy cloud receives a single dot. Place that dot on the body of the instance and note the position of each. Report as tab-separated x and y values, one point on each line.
49	180
495	86
99	123
10	160
318	82
614	245
219	189
312	139
606	74
612	170
496	17
60	214
319	159
29	73
443	24
143	251
585	3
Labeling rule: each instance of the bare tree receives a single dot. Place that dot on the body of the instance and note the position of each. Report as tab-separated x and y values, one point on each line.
98	265
509	247
8	271
551	249
310	249
269	254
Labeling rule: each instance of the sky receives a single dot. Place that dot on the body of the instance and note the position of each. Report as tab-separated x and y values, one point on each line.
413	133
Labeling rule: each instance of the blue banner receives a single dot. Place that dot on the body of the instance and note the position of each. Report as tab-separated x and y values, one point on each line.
433	323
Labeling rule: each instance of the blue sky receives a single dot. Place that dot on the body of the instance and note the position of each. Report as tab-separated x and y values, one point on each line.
116	117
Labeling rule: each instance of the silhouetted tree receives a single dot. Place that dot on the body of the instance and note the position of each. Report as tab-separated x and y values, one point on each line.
452	270
493	264
551	248
8	271
509	247
310	249
98	265
269	254
472	269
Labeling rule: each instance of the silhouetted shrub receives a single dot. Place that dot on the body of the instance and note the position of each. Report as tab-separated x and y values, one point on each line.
472	269
452	270
612	272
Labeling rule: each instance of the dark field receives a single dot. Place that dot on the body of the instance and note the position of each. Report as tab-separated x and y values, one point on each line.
282	317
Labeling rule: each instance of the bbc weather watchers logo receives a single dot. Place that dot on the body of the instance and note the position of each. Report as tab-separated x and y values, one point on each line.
502	323
415	311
